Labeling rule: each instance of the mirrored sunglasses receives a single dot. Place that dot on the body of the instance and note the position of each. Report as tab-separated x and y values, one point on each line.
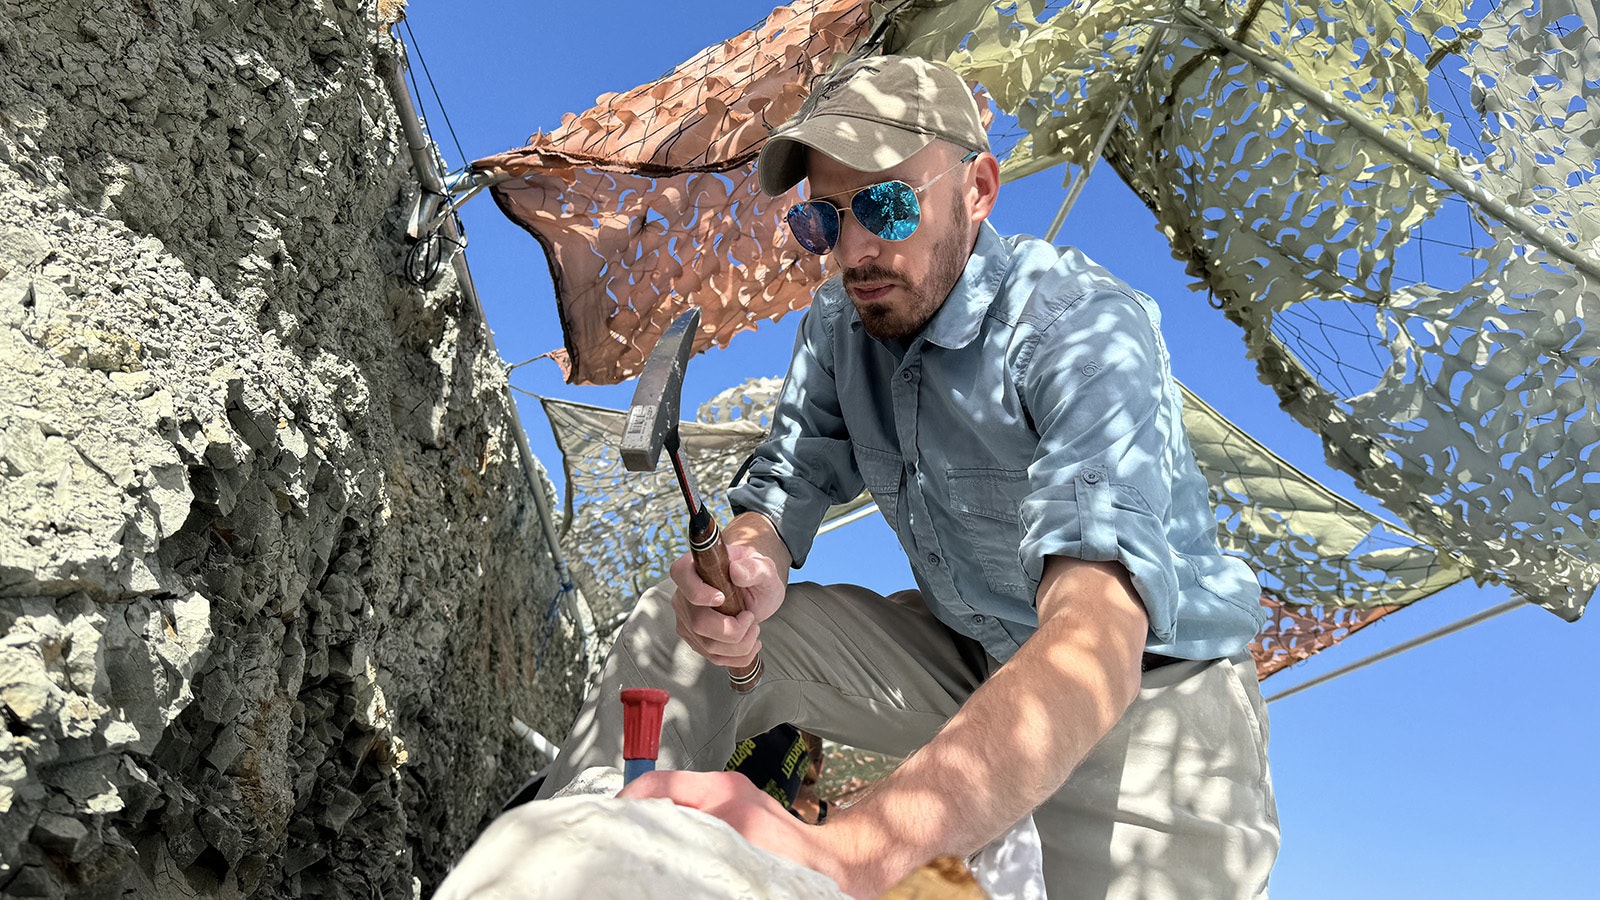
888	209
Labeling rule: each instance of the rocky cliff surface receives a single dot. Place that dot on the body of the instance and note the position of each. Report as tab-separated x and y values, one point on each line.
272	581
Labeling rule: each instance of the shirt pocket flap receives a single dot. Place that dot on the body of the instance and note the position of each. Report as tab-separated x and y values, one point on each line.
993	493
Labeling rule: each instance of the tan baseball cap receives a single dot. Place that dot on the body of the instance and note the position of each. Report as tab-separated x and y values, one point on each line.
875	112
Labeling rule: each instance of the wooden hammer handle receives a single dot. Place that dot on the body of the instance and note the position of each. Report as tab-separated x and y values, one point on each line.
711	563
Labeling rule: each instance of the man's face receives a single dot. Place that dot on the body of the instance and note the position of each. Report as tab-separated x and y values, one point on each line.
897	286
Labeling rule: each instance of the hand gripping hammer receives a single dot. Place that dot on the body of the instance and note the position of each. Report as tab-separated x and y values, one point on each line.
652	425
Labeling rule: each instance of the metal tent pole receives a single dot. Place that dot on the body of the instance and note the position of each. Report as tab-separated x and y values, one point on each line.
1403	646
427	164
1145	59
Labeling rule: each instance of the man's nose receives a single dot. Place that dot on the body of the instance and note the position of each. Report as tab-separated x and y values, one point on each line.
856	244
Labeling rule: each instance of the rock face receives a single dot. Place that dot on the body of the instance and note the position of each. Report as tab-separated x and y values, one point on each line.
272	582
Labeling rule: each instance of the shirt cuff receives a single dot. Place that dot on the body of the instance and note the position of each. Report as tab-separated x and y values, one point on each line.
1095	520
795	511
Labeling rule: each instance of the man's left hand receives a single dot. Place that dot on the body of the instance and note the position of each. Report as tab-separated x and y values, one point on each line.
760	819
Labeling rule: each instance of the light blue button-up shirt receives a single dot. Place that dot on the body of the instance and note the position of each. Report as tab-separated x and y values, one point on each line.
1034	415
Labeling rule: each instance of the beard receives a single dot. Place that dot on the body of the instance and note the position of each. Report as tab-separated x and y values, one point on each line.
903	318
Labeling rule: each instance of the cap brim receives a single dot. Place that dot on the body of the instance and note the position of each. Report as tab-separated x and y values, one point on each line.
857	143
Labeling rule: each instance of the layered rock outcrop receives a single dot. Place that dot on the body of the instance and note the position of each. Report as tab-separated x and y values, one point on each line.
272	581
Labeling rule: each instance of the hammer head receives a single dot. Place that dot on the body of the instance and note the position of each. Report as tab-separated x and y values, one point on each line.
653	418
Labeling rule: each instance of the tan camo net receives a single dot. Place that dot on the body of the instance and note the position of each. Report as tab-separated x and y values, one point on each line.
1437	344
648	202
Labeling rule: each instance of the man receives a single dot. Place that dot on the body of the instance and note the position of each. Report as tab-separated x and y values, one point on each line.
1075	647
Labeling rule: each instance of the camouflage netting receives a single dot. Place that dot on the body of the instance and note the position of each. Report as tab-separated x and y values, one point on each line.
1453	386
621	528
1327	568
651	195
1332	172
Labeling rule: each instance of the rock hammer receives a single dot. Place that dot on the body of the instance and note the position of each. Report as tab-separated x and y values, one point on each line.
653	425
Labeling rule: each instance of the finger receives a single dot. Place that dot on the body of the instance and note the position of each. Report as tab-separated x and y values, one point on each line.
714	629
726	660
691	585
693	588
697	790
737	661
708	632
690	638
701	628
735	652
721	640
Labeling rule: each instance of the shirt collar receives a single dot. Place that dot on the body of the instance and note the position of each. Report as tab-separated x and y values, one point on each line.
957	322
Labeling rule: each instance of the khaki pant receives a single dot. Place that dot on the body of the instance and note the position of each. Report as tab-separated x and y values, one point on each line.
1175	802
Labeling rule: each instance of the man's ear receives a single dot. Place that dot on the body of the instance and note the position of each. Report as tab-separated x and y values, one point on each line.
985	189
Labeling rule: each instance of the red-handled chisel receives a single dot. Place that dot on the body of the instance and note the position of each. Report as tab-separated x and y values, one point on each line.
641	730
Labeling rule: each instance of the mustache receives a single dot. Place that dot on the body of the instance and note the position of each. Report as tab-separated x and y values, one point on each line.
853	277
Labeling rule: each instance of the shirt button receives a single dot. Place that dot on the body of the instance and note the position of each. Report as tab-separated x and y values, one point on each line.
933	559
977	620
911	468
905	375
1092	476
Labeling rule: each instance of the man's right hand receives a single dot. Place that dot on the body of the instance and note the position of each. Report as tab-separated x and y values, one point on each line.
733	641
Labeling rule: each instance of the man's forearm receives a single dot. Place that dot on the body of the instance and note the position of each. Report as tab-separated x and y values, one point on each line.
1011	745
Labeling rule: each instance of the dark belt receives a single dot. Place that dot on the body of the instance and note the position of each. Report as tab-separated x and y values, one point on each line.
1154	661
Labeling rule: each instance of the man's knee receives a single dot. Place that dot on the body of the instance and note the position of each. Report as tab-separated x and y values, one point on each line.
652	613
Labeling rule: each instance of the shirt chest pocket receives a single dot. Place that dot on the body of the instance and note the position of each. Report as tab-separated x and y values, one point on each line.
988	504
881	471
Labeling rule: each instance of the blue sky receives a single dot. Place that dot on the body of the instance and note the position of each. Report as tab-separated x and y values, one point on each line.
1462	769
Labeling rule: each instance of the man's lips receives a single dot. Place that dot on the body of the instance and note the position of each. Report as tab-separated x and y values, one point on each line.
867	291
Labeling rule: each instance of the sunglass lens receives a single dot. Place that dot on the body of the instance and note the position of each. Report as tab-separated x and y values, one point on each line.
815	225
888	210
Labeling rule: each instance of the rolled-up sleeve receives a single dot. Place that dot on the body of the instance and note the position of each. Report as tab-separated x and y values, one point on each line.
806	464
1094	381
